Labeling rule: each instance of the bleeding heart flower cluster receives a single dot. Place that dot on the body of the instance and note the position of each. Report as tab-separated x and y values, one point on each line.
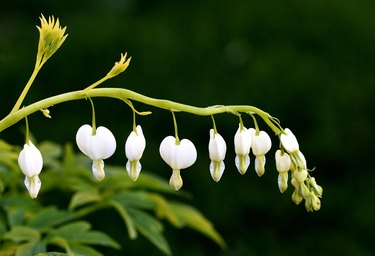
99	143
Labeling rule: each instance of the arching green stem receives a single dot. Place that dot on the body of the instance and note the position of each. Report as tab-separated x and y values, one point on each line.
124	95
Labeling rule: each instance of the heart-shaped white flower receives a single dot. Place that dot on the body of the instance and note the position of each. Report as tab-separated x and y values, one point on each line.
217	149
178	155
97	147
134	147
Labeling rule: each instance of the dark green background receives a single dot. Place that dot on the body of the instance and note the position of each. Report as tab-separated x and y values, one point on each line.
309	63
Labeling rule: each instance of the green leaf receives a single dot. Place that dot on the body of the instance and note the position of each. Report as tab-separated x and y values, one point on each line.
135	199
195	220
16	217
22	233
51	152
151	228
30	249
52	254
84	197
79	232
164	210
132	232
83	250
8	155
49	217
154	182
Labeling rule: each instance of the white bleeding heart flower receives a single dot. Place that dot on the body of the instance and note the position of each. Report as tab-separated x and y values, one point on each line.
282	160
97	147
134	147
242	144
289	141
178	155
217	149
30	161
261	144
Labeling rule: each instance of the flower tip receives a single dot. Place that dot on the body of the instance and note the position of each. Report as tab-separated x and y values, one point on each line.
176	181
33	185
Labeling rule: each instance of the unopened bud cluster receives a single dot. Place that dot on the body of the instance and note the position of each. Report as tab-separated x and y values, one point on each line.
290	158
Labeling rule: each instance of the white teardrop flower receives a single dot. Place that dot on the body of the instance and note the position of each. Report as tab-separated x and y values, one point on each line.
217	149
30	161
134	147
261	144
242	144
282	160
97	147
178	155
289	141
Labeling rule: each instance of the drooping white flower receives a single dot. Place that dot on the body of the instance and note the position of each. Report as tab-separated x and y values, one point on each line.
242	144
97	147
30	161
282	160
282	181
217	149
261	144
289	141
134	147
178	155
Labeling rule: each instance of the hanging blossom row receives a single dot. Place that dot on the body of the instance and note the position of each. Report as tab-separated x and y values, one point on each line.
98	143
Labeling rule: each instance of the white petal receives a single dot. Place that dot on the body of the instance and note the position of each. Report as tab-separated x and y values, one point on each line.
242	141
30	160
178	156
282	161
98	169
135	145
167	150
289	141
33	185
217	170
282	181
186	154
242	163
176	181
261	143
217	147
260	162
103	144
83	138
133	168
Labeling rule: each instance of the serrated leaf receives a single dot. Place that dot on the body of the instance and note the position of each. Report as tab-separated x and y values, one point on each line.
84	197
151	228
22	233
79	232
195	220
49	217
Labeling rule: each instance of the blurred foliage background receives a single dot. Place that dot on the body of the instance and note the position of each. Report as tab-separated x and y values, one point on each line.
308	63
